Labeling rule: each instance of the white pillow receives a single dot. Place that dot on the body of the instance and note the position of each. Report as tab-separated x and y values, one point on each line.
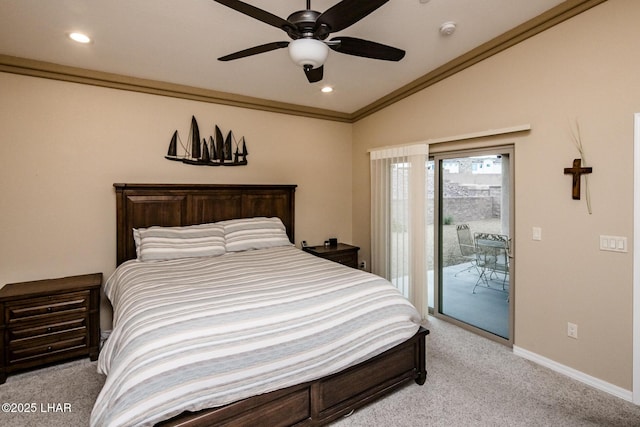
193	241
254	233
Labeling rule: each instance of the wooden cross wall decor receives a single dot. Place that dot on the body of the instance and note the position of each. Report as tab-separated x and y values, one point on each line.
577	171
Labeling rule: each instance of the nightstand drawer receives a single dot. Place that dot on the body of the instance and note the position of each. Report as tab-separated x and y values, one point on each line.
53	306
341	253
349	259
21	333
44	348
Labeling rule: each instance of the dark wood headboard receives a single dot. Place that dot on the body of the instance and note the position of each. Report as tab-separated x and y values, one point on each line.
169	205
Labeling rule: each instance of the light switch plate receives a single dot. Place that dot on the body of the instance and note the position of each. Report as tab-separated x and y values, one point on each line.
613	243
536	233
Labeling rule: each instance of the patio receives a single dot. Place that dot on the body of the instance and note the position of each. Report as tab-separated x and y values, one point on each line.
487	309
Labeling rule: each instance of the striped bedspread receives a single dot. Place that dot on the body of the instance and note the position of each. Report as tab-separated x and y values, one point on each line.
194	333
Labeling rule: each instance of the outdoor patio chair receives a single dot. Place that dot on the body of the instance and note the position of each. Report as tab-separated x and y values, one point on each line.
467	248
492	258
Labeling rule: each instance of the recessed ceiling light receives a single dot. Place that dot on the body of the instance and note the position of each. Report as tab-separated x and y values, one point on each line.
327	89
79	37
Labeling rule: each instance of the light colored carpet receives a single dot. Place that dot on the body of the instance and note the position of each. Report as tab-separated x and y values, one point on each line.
471	382
75	383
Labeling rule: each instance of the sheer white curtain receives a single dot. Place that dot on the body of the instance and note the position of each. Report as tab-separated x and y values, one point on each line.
398	218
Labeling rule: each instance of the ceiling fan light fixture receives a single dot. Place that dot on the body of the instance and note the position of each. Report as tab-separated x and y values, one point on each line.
308	52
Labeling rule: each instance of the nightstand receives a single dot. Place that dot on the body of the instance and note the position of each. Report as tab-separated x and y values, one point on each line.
342	253
47	321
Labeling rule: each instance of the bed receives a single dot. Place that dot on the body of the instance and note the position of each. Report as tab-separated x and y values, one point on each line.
312	386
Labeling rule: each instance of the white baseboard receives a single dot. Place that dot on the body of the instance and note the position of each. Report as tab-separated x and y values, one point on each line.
575	374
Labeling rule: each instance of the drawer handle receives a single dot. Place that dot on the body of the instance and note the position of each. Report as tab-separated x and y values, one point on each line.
49	309
49	329
49	348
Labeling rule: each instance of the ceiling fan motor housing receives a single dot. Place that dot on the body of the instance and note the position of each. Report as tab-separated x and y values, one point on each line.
304	22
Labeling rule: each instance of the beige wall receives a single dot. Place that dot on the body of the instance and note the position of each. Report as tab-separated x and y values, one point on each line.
63	145
586	69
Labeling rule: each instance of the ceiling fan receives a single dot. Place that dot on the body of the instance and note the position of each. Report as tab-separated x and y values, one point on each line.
308	29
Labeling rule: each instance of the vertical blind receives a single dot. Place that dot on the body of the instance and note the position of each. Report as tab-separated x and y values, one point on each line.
398	218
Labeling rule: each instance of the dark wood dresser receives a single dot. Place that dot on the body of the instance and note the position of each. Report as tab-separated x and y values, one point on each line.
47	321
342	253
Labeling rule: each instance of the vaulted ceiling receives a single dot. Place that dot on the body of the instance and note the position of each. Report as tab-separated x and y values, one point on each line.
173	45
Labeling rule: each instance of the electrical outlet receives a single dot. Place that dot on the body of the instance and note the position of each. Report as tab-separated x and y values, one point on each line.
363	265
572	330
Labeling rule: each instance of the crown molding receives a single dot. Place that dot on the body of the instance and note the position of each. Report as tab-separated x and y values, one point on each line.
554	16
49	70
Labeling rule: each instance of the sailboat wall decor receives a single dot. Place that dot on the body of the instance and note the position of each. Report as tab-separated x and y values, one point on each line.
219	151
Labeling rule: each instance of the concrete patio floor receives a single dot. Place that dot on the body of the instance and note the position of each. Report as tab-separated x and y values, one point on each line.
486	309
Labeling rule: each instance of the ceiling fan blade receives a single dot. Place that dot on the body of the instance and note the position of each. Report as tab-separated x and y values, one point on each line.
347	13
366	49
259	14
314	74
254	50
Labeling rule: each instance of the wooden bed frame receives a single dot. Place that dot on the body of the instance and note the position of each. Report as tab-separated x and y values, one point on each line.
313	403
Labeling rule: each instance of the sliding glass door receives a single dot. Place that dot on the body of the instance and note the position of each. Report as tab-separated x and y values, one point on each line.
474	240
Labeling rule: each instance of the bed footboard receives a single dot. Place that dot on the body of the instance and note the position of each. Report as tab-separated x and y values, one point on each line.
323	400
